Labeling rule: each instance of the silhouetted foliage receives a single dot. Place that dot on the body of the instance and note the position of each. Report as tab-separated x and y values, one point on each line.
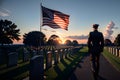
75	43
117	40
68	43
8	32
54	40
107	42
34	38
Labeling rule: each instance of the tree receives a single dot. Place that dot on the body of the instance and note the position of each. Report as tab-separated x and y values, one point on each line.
34	38
107	42
117	40
8	32
68	43
75	43
54	40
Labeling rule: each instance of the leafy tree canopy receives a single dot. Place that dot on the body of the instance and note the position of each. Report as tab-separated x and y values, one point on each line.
107	42
54	40
68	43
75	43
34	38
117	40
8	32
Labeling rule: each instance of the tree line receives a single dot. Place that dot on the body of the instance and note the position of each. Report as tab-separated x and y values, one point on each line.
9	33
36	38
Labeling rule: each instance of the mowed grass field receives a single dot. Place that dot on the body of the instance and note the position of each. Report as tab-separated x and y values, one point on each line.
114	60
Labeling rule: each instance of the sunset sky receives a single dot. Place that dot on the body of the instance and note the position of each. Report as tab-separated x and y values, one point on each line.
83	14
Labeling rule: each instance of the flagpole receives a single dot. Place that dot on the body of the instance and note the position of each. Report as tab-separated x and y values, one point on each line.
40	24
41	17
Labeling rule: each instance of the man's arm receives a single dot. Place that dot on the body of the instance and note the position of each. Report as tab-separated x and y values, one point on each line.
89	42
102	42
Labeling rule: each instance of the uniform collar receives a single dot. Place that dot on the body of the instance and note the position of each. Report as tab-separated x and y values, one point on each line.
95	30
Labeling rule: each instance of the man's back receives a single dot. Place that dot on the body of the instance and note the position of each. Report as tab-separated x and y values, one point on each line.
95	45
95	41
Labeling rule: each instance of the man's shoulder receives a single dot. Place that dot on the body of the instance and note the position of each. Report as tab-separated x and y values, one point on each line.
91	32
100	33
95	33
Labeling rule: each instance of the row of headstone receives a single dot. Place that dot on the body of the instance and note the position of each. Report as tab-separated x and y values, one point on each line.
114	50
12	57
6	52
57	56
37	62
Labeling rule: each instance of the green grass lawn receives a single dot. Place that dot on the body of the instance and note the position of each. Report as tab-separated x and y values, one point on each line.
114	60
15	73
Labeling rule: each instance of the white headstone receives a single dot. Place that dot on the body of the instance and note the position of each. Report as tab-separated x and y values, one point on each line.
37	68
12	59
49	59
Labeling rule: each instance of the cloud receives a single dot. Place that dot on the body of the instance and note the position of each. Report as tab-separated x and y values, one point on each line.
48	30
110	30
4	12
45	29
53	31
78	37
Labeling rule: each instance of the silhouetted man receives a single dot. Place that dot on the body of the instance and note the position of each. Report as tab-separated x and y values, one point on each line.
95	46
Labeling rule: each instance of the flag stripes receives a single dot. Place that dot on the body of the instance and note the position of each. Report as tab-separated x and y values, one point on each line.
55	19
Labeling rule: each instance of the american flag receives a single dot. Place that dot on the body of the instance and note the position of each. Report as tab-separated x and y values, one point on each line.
55	19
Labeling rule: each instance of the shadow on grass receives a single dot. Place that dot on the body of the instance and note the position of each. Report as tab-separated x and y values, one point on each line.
68	58
15	72
69	68
73	76
101	78
58	70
